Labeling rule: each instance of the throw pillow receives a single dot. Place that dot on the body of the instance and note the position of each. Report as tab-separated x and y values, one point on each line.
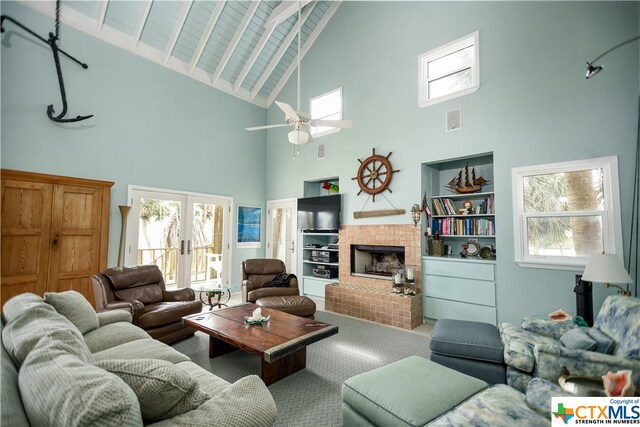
75	307
577	339
280	281
604	343
163	389
60	389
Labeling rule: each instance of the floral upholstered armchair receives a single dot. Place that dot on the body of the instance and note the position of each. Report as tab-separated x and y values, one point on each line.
542	349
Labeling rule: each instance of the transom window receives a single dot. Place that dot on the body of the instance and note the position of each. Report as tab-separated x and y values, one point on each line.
449	71
564	212
327	106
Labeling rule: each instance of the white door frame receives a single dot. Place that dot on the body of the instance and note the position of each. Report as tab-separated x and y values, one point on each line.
284	203
185	227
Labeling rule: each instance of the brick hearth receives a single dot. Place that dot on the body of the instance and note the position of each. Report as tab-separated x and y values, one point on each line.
369	298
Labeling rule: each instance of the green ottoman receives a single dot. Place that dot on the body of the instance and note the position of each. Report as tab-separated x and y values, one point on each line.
409	392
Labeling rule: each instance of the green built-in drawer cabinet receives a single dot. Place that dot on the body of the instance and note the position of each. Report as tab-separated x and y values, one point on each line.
459	289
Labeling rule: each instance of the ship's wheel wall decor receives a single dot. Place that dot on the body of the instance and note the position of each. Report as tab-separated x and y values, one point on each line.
374	174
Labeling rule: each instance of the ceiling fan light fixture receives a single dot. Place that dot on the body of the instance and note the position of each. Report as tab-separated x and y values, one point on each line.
300	137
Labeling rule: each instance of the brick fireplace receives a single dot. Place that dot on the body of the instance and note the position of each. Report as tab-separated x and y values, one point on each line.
371	298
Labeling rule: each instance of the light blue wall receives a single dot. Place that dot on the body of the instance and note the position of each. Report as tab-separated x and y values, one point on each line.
152	126
534	106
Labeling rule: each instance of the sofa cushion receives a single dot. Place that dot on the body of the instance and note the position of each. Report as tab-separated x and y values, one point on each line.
471	340
605	344
112	335
164	313
396	394
12	413
228	402
500	405
519	344
21	304
549	328
163	389
133	276
22	334
113	316
75	307
619	318
142	349
577	339
539	393
60	389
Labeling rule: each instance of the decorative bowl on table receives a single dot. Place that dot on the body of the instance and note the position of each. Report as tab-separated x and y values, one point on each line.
250	321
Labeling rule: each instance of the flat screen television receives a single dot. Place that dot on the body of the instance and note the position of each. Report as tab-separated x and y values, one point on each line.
319	214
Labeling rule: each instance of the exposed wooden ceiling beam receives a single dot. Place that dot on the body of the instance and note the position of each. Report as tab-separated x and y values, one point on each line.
242	27
213	20
177	29
279	53
303	50
284	10
270	25
143	20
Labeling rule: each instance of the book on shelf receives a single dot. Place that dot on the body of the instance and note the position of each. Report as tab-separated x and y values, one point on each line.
443	206
463	226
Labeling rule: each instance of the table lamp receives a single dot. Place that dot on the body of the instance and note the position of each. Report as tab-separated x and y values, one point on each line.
607	269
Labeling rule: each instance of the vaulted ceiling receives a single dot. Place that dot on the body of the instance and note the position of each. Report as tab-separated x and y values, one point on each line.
245	48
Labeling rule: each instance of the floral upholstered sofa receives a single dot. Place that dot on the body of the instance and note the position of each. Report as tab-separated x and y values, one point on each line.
542	348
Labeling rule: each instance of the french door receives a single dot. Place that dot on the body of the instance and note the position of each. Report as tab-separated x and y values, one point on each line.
281	231
185	234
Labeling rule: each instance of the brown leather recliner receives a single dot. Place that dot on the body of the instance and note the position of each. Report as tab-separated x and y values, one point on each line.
140	290
256	272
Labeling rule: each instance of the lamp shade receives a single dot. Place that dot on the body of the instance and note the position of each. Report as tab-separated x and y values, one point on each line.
605	268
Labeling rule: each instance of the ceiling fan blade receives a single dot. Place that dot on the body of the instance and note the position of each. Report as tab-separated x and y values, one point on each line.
288	110
267	127
332	123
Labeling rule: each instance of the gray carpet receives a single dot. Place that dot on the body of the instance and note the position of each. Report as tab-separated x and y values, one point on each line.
312	397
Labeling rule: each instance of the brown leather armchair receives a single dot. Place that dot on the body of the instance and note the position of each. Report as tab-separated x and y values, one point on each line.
140	290
257	272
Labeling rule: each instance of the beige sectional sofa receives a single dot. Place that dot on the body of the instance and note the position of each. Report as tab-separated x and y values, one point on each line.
63	364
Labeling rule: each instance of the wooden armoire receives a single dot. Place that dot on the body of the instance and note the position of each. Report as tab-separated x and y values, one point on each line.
55	233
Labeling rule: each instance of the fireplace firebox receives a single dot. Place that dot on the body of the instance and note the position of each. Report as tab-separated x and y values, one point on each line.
376	262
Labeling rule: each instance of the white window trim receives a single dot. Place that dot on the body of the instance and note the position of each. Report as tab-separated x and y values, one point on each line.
611	221
332	130
447	49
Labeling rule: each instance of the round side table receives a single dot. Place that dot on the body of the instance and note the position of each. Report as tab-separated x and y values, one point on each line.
214	293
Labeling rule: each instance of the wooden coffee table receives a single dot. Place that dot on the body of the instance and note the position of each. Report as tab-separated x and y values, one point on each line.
281	342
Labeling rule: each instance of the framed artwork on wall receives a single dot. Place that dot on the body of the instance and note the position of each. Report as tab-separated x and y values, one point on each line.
249	227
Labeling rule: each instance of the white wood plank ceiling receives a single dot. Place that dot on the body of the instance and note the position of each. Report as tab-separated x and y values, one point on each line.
245	48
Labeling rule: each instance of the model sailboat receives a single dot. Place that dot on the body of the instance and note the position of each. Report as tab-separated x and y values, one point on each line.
466	185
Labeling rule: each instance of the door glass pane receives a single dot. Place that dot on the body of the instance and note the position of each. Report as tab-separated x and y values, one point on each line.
159	236
568	236
282	236
206	241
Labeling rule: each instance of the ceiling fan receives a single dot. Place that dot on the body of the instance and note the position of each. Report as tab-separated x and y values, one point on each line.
301	134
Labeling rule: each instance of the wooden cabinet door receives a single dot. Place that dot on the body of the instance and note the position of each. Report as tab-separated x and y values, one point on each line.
76	226
26	225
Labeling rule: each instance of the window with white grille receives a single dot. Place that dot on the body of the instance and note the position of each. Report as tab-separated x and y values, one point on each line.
449	71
